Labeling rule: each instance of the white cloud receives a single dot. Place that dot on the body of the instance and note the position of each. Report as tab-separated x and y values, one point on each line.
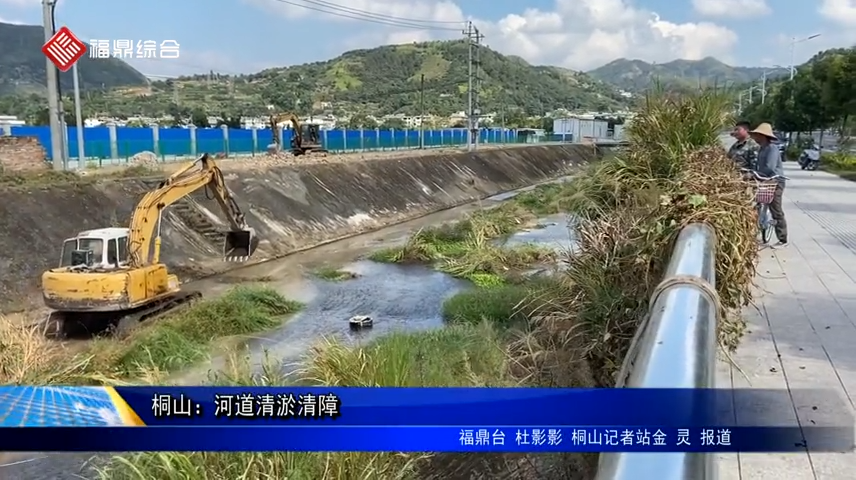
732	8
839	11
578	34
21	3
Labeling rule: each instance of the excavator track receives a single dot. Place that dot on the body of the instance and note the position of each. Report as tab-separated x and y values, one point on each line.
64	325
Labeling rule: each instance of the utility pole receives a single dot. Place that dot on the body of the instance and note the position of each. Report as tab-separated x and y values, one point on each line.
422	112
78	119
473	37
478	83
54	102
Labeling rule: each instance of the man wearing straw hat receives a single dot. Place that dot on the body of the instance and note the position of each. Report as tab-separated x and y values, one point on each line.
769	164
744	152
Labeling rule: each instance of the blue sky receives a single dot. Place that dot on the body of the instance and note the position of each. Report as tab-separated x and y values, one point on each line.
242	36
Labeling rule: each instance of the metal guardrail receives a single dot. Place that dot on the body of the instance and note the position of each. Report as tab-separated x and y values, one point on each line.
674	348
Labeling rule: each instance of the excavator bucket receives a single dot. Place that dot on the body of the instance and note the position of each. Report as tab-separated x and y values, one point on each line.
239	245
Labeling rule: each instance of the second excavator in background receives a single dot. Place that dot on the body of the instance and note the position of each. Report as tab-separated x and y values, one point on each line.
305	138
113	277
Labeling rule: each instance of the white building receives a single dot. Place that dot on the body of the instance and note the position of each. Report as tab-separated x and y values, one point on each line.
11	121
573	129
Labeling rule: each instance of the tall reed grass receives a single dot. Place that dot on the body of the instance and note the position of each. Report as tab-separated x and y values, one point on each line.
631	209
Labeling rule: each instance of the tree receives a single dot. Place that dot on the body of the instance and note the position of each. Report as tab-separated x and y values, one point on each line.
393	123
813	112
836	72
199	118
359	121
822	94
231	121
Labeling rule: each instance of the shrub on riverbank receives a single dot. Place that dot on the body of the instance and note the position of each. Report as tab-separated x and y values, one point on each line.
630	212
184	338
176	340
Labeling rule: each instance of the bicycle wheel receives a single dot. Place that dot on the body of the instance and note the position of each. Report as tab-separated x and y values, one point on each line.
765	223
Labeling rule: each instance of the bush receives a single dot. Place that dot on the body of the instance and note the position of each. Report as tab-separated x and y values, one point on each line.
839	161
631	210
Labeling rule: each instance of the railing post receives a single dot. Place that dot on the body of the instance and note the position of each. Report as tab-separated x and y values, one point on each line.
255	133
193	144
675	347
225	130
155	139
114	142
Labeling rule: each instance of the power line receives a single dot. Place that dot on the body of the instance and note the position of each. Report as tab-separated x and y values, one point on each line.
370	17
336	6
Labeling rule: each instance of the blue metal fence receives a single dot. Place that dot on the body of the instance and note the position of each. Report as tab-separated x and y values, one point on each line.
179	142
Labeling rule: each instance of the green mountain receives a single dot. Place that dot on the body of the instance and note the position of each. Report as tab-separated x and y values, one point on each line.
23	69
379	81
636	75
430	77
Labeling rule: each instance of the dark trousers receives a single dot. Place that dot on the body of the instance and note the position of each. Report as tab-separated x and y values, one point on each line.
778	214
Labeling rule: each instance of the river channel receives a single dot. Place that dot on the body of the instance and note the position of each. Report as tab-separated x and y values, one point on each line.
397	297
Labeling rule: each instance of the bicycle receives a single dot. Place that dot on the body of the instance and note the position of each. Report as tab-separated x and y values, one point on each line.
765	190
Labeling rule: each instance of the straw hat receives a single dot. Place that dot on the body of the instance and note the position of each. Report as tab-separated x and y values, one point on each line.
764	129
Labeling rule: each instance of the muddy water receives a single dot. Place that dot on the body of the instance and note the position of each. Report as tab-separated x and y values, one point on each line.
397	298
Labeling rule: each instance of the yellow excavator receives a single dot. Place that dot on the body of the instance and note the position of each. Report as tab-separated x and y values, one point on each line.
305	138
112	277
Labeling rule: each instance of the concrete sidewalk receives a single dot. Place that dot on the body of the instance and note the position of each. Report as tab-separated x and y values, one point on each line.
803	333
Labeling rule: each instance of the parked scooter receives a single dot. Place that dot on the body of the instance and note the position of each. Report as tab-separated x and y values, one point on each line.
810	159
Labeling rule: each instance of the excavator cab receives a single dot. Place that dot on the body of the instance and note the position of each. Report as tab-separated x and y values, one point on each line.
311	135
100	249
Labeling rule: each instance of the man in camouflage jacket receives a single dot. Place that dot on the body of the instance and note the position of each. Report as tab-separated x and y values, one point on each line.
744	152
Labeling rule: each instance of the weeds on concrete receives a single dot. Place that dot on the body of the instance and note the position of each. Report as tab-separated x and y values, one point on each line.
45	178
334	274
37	179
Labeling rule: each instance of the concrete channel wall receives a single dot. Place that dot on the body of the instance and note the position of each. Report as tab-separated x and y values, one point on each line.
291	207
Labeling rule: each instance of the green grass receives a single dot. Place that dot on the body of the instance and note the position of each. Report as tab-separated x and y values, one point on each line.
461	355
184	338
503	305
473	249
334	274
841	164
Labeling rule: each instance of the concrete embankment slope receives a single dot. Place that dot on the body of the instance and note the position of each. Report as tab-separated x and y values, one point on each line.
291	207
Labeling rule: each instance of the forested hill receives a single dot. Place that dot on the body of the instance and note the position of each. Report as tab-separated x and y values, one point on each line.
637	75
23	68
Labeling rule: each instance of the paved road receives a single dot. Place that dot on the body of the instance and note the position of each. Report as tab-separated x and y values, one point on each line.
803	334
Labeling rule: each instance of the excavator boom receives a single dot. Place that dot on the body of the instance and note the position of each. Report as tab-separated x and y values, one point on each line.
239	241
112	277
